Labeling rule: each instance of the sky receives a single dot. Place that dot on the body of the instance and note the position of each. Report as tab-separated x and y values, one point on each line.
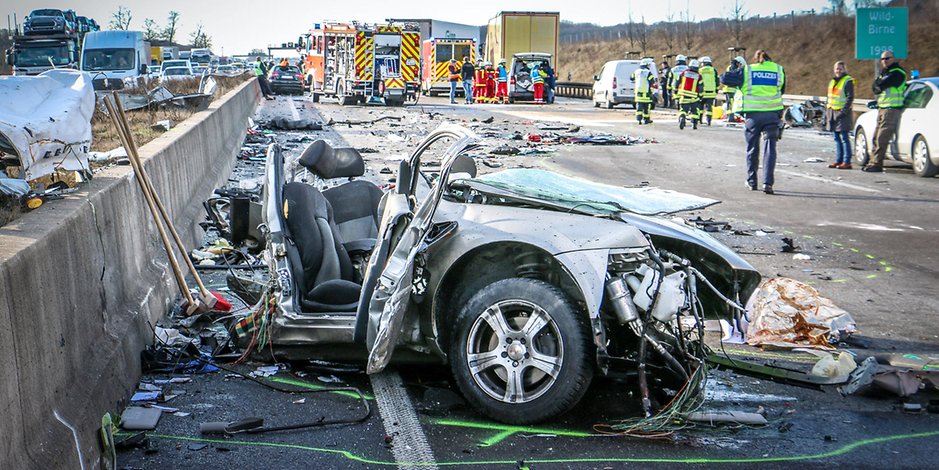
237	26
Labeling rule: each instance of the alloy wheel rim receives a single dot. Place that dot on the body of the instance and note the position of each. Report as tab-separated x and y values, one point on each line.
920	154
514	351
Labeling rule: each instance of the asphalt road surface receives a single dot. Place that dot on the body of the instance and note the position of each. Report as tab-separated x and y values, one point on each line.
871	239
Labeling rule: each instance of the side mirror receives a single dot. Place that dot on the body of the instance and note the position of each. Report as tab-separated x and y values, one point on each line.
596	78
144	69
9	57
872	104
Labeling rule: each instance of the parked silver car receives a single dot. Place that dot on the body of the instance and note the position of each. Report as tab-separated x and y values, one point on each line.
526	282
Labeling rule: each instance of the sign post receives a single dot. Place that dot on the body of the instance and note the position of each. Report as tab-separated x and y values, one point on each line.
880	29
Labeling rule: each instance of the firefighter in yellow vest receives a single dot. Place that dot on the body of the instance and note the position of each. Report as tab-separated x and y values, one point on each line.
644	80
839	116
889	87
759	100
709	81
690	89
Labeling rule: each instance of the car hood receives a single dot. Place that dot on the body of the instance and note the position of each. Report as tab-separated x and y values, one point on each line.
585	196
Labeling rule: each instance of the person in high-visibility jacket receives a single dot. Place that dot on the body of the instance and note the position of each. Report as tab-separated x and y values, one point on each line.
644	81
479	83
681	64
490	83
502	84
453	73
889	88
689	93
260	70
735	68
537	82
839	116
709	80
759	100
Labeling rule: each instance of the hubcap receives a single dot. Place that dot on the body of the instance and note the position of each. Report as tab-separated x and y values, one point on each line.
514	351
920	154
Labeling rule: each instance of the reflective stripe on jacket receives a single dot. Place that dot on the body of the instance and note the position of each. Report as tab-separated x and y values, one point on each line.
453	72
709	80
892	97
761	89
836	96
689	84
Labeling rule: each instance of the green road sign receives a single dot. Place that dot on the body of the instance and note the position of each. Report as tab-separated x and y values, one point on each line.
880	29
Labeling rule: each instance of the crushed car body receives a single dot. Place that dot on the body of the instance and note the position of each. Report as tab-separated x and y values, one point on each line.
526	282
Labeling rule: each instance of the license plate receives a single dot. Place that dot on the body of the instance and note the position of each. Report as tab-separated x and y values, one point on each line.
287	78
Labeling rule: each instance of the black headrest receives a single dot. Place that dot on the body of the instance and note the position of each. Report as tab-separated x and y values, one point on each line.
327	162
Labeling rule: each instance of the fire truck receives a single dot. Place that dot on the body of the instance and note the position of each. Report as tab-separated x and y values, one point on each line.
437	53
360	63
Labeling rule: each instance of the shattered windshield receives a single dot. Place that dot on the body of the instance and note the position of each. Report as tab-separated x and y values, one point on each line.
39	56
587	196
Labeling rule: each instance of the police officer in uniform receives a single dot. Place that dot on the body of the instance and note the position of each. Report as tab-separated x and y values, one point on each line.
759	100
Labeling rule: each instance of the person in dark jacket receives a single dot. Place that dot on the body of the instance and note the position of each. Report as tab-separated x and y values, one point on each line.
663	80
889	88
839	116
549	82
467	72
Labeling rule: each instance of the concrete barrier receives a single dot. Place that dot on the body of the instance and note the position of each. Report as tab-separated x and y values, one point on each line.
80	279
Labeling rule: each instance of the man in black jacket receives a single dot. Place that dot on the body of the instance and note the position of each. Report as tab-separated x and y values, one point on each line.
889	88
467	72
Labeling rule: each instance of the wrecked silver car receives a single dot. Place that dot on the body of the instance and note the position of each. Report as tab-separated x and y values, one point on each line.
526	282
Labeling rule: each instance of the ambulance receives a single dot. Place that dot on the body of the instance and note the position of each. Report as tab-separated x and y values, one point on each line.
437	53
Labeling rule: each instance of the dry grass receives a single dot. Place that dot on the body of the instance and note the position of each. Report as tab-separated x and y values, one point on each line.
807	46
104	137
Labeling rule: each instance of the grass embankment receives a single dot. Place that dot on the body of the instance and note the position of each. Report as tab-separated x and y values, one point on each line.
806	46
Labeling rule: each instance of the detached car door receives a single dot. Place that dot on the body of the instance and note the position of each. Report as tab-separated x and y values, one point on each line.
389	291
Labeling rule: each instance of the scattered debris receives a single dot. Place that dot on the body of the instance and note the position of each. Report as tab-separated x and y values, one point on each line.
727	416
801	257
789	314
137	418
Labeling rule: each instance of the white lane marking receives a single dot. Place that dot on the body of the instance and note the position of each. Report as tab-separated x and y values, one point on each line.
78	447
409	444
829	181
871	227
293	110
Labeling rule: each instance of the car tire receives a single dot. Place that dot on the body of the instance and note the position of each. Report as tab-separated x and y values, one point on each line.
315	97
862	154
558	345
922	165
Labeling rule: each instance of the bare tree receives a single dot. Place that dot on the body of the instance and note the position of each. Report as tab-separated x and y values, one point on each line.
687	28
642	35
838	7
631	28
150	30
735	21
199	38
668	31
120	19
172	22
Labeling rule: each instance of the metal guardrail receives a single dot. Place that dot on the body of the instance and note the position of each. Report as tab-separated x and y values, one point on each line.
574	90
585	91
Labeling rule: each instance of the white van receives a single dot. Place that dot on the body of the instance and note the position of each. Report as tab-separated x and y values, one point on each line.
116	59
613	85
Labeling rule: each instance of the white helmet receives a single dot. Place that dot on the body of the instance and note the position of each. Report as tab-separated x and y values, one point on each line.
705	60
740	60
681	58
645	61
694	63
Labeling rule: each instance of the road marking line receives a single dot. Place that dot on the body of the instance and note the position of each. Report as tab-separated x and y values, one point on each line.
293	110
829	181
409	444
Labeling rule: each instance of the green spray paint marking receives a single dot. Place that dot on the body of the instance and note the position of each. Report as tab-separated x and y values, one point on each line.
840	451
505	431
870	256
300	383
871	276
839	280
855	250
836	244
